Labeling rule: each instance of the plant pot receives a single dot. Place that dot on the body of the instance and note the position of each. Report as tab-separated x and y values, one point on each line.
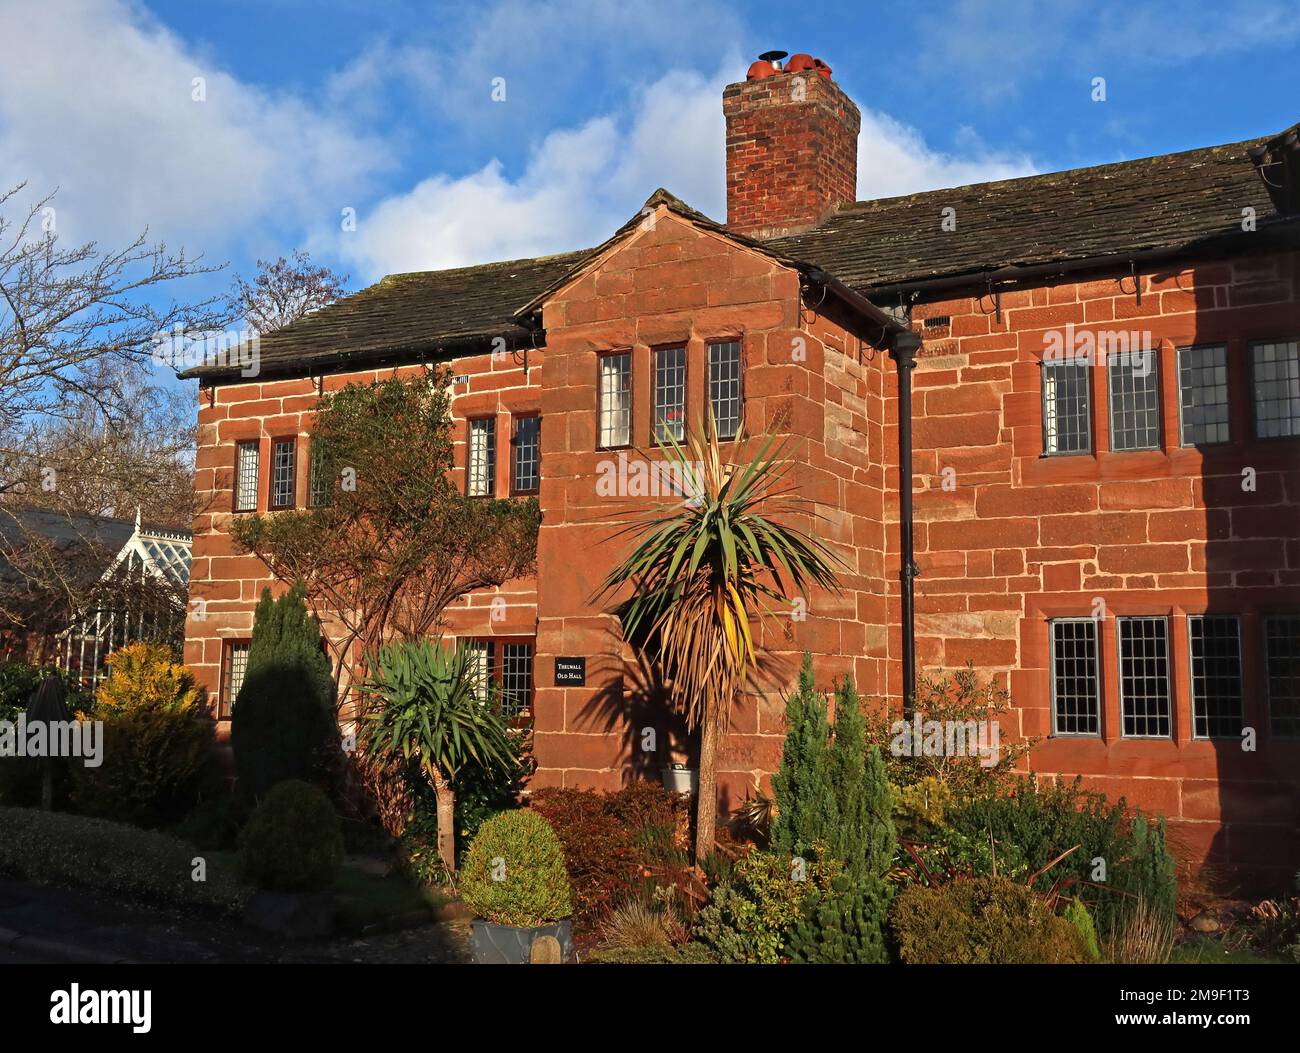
680	779
494	944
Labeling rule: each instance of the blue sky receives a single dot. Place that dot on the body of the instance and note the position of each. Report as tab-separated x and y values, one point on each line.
311	108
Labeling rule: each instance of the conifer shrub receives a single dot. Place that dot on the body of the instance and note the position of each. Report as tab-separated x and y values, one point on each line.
802	787
157	749
284	725
845	926
832	792
834	801
982	921
292	841
514	872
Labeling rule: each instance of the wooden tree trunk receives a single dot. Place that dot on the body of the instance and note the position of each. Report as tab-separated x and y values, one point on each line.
706	802
446	818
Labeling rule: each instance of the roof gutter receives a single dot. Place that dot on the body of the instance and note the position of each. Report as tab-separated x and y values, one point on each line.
1283	232
891	328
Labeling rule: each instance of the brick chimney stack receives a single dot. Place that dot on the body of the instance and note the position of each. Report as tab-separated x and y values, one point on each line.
792	151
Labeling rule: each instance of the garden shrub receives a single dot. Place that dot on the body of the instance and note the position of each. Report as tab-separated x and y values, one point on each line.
610	840
157	741
282	730
214	823
920	807
981	921
846	925
292	841
146	676
283	725
19	680
751	918
1031	825
805	797
54	848
961	696
285	633
481	792
522	850
832	794
1076	913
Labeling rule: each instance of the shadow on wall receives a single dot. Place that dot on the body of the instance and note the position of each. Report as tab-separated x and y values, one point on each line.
637	708
1235	407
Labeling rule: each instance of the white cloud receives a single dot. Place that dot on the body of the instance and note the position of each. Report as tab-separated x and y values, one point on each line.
581	184
96	99
893	159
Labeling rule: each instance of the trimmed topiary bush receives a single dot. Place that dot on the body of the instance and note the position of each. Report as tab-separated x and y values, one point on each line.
292	841
981	921
514	872
282	731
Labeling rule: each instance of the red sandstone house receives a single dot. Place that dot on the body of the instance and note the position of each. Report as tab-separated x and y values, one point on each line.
1116	535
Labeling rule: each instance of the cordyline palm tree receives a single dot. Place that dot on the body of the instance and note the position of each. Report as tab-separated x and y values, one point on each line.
701	574
431	709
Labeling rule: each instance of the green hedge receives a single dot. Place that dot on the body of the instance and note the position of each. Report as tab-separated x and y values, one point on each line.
53	848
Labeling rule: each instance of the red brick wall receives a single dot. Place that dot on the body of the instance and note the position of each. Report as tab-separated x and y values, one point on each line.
1021	538
1018	539
229	584
792	152
672	285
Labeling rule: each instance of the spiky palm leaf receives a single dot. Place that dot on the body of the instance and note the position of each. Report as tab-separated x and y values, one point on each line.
429	709
707	569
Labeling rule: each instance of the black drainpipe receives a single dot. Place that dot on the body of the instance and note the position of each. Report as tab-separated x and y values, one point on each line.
903	351
903	344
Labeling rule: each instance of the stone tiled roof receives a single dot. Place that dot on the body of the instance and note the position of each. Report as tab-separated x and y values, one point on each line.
408	315
1168	202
